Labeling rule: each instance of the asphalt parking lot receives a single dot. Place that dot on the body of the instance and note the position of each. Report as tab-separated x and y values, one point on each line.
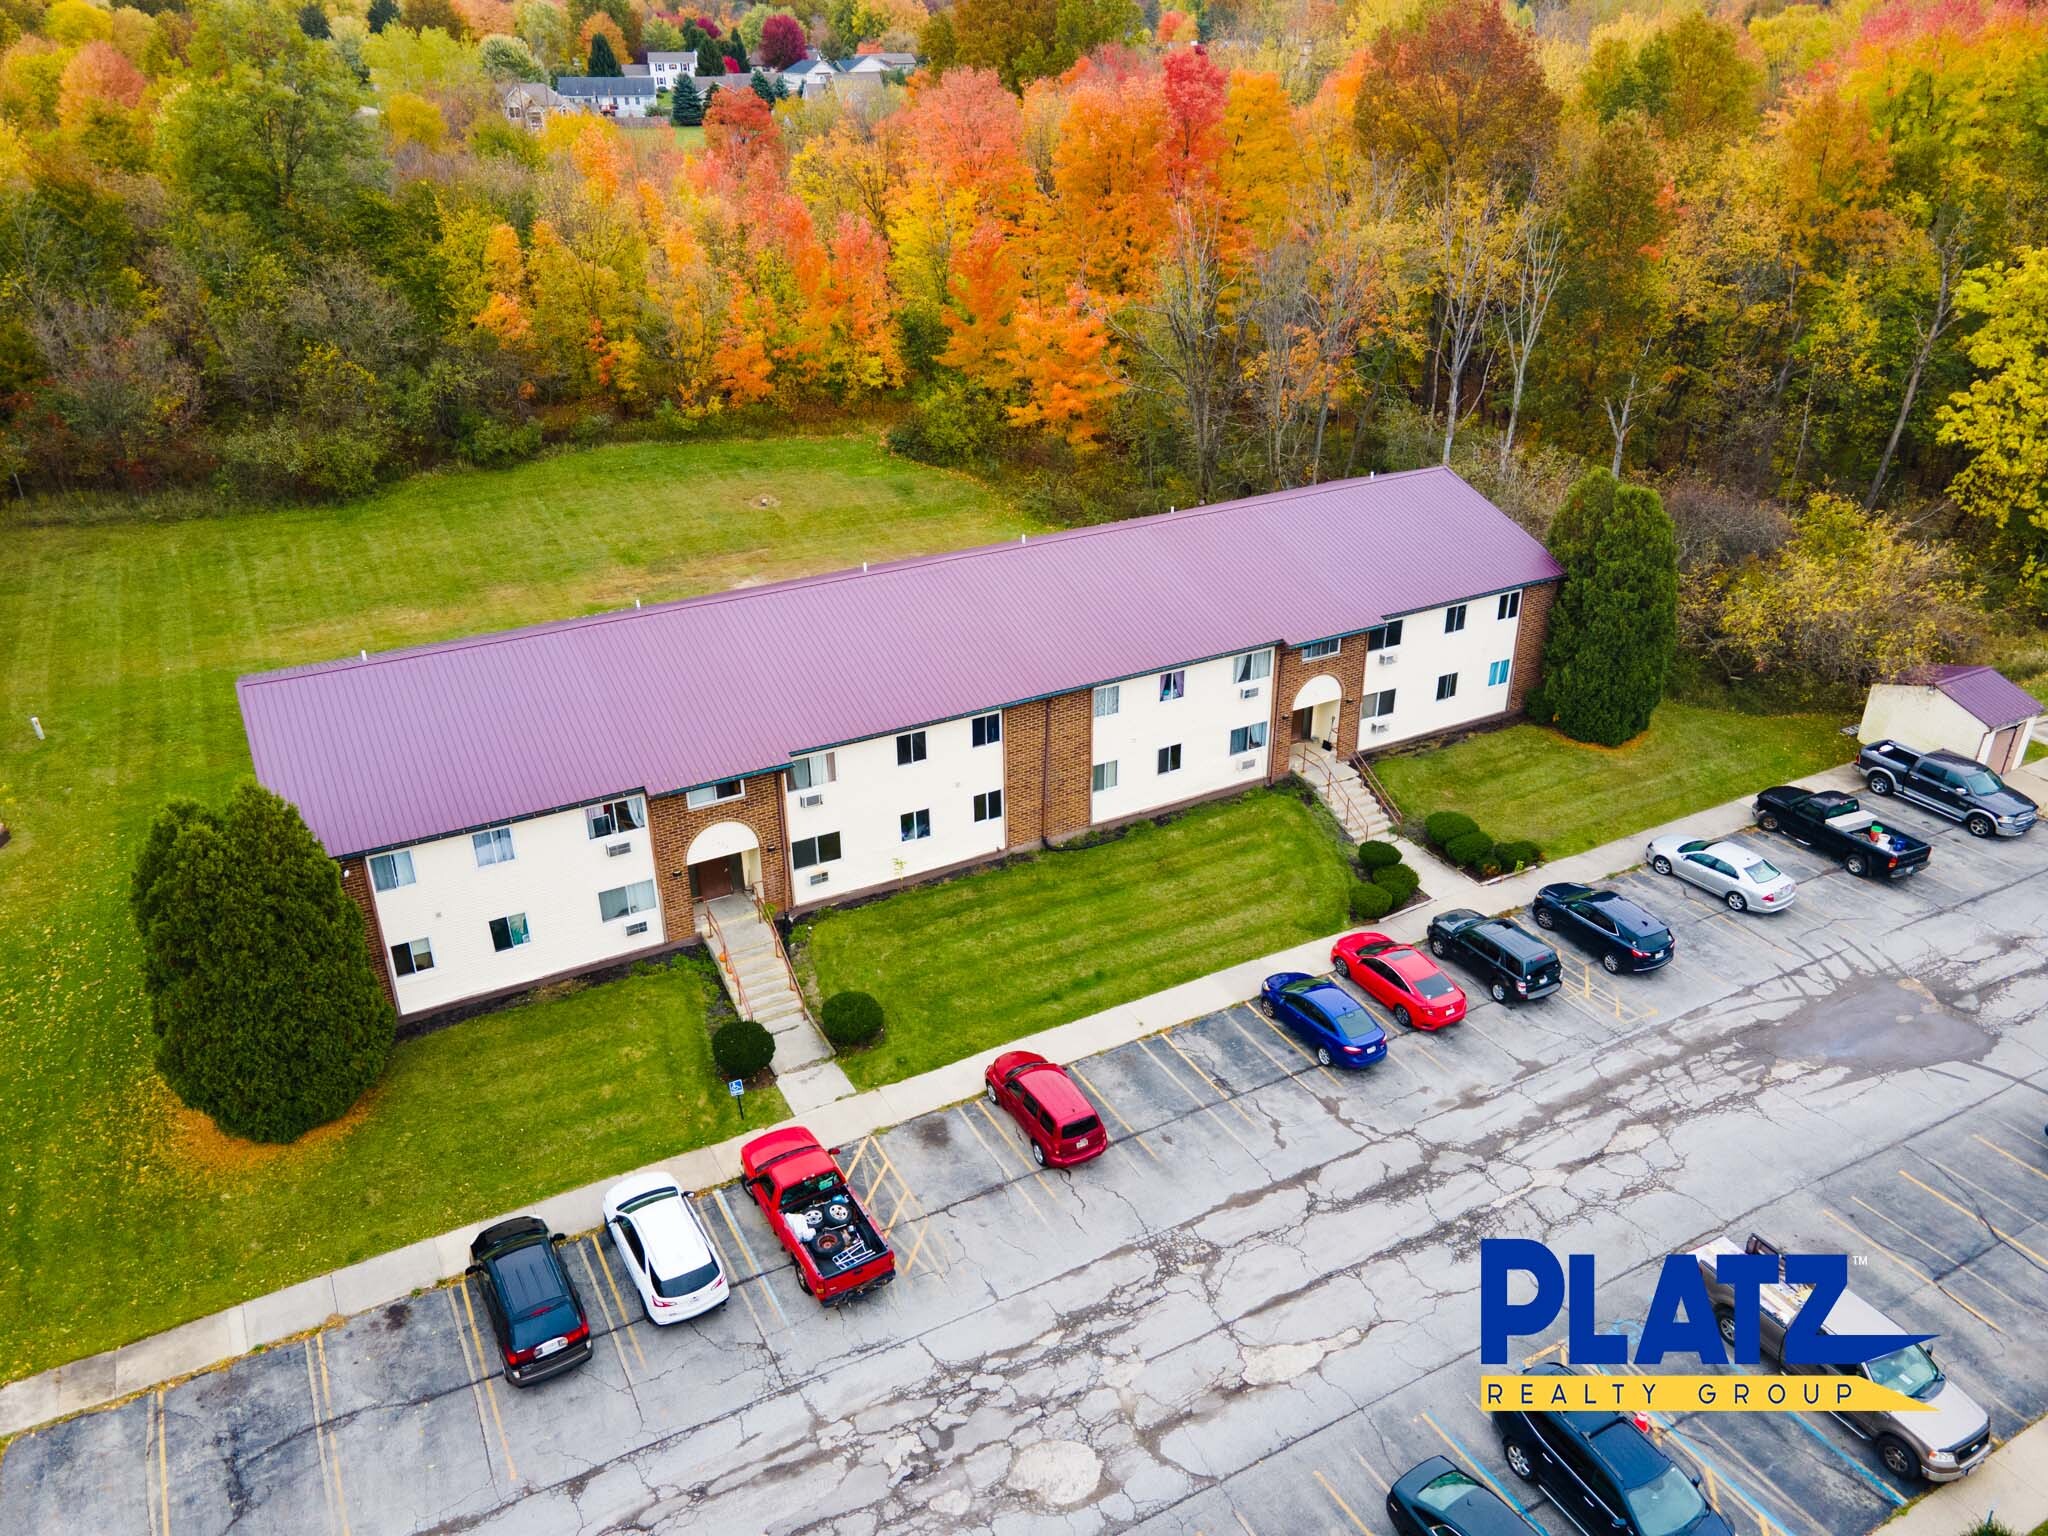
1259	1307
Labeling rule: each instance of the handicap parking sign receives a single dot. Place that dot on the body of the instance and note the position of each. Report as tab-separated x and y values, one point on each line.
736	1087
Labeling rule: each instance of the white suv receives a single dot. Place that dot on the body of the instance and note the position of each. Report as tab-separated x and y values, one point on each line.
662	1243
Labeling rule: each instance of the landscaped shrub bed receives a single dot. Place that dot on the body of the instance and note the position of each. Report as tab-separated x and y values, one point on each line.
1462	841
1388	885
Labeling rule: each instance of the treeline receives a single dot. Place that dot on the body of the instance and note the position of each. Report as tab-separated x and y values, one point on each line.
1798	254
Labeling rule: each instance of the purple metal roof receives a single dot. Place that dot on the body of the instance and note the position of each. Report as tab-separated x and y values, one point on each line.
1989	695
409	745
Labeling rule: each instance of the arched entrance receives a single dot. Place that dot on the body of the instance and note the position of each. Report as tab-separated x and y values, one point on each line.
1316	708
724	860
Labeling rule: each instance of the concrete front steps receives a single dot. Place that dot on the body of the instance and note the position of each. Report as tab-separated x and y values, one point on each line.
1338	786
758	980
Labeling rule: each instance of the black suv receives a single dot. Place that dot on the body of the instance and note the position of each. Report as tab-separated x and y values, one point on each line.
541	1327
1607	924
1434	1498
1515	964
1603	1470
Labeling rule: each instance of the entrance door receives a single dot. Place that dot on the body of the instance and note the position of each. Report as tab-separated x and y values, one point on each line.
2004	750
1300	723
717	877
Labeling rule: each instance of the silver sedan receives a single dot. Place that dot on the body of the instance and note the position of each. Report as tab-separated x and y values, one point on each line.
1742	877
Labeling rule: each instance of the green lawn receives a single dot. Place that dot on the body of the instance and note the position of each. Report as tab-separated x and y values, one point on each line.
970	963
1529	782
126	639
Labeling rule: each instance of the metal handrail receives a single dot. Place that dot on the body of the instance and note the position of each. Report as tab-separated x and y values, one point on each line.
1332	789
725	962
788	970
1378	790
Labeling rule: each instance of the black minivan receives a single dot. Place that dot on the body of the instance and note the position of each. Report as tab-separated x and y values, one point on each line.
540	1324
1516	966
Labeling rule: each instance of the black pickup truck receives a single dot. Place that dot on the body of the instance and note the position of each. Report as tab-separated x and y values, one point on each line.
1836	824
1948	784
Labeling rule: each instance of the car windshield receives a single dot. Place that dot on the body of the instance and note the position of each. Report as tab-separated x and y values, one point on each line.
688	1283
1432	987
1761	871
1910	1370
1666	1505
652	1197
1983	782
1441	1495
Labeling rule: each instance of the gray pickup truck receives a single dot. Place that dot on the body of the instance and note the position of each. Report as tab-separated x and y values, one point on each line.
1948	784
1940	1446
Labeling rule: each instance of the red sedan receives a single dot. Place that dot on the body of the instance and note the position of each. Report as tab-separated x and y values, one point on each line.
1401	979
1057	1120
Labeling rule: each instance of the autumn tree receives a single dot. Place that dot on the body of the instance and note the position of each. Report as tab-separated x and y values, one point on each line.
1456	89
782	41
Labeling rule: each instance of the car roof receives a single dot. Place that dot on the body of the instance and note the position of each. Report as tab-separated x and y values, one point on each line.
1565	890
1051	1086
1511	937
1409	962
1459	917
673	1240
1324	991
1623	910
528	1277
1733	851
1628	1453
1481	1512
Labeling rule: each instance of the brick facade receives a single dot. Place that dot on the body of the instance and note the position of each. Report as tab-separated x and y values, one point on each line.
355	880
1048	767
1289	673
674	826
1530	636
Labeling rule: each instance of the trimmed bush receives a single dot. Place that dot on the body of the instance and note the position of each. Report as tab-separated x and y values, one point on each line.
1442	827
742	1048
1399	881
1519	854
850	1019
1470	848
1369	902
1372	856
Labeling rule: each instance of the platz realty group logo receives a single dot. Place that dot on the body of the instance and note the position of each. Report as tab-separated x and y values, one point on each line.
1713	1307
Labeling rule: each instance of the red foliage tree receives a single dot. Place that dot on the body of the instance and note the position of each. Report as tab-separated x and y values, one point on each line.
1457	89
782	41
1194	118
739	132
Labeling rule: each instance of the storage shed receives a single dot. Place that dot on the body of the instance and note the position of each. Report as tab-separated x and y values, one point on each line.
1976	711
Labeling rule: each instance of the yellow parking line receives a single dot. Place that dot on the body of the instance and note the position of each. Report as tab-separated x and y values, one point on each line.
725	1268
2037	1173
1914	1270
1295	1046
1338	1499
1005	1169
597	1247
1214	1086
908	1197
1274	1061
320	1439
334	1444
1248	1531
1957	1264
1433	1059
1748	926
1372	1472
1992	1195
156	1466
1102	1098
2002	1235
854	1167
1765	1524
1542	1354
1193	1097
483	1358
617	1323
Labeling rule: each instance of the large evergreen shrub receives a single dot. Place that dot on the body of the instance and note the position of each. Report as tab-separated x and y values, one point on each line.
850	1019
742	1048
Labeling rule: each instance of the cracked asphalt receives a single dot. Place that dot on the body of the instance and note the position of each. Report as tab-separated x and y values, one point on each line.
1260	1307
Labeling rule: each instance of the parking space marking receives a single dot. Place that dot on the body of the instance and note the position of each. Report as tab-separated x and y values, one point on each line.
1214	1087
1338	1499
1277	1064
1193	1097
1298	1048
1764	1520
753	1263
1246	1524
2003	1236
725	1268
1994	1146
484	1374
318	1388
1911	1268
1103	1099
1665	1423
1580	982
1010	1182
907	1198
1542	1354
616	1324
1372	1472
1960	1266
156	1466
1472	1461
2024	1215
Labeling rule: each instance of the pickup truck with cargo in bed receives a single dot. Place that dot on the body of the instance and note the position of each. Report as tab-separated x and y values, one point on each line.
838	1249
1836	824
1948	784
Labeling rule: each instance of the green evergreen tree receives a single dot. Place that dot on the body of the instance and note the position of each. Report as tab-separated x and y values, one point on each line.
762	88
603	62
267	1012
686	107
313	22
382	13
1614	625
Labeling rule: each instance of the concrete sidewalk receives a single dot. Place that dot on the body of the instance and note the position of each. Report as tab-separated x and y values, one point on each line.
210	1341
2012	1484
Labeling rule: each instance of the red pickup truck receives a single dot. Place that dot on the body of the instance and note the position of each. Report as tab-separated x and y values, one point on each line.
838	1249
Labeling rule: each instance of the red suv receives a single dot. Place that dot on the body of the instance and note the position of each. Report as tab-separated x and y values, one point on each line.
1058	1121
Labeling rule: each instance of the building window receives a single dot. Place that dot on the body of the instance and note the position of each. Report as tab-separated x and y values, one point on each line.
1107	698
909	748
615	816
1496	673
625	900
712	794
388	871
1454	618
989	807
492	847
1383	637
810	772
1373	705
1169	759
988	730
508	932
1173	685
1510	604
1447	686
822	849
1246	737
413	955
1105	777
916	825
1252	666
1316	650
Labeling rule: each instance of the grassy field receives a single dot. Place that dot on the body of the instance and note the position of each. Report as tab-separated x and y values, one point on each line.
122	1217
970	963
1529	782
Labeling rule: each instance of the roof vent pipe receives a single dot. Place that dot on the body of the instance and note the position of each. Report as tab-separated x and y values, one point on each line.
364	653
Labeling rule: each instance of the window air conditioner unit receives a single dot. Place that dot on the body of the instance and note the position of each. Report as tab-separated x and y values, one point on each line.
820	877
1247	762
810	800
1247	693
1380	725
1387	657
613	850
635	929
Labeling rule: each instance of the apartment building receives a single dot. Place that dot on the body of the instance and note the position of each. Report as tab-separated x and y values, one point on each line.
516	807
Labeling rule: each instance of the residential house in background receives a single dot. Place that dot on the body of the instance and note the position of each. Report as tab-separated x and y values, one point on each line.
667	68
610	95
516	807
530	103
1976	711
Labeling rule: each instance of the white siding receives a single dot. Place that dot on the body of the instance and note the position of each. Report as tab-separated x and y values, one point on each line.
1425	654
554	876
866	803
1923	718
1200	722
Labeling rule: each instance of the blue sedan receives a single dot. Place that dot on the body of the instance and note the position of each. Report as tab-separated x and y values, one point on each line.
1335	1025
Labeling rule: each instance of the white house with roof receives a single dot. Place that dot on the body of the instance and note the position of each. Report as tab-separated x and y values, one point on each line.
609	95
667	67
1976	711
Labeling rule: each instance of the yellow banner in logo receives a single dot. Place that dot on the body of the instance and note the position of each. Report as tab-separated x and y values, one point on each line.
1827	1393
